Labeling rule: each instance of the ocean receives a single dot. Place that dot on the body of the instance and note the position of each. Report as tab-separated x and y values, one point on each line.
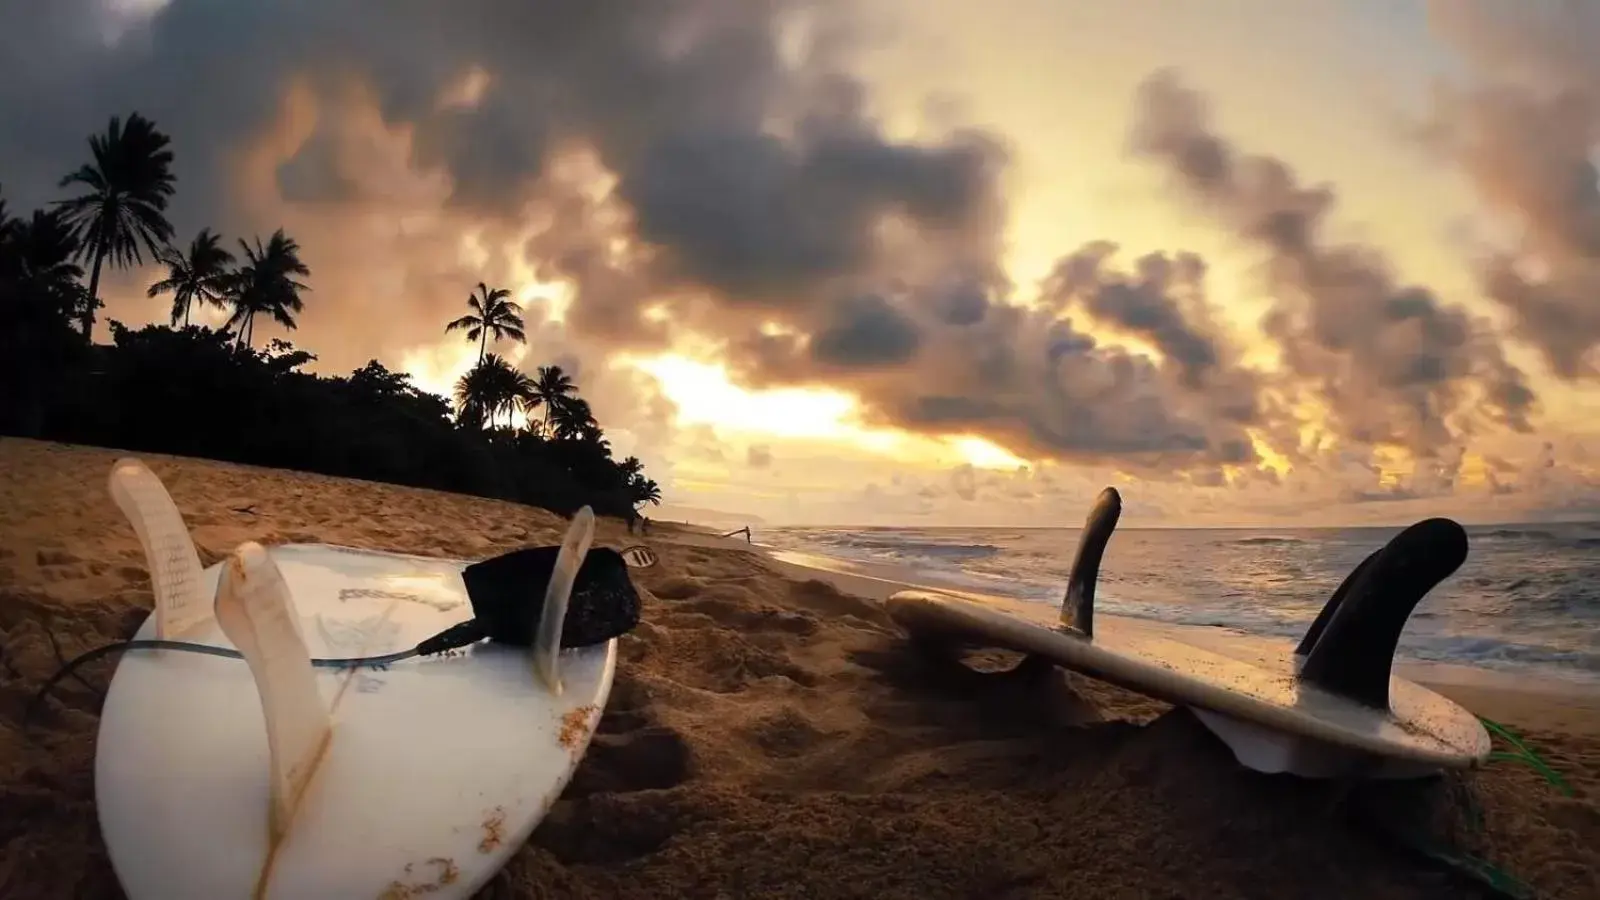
1527	600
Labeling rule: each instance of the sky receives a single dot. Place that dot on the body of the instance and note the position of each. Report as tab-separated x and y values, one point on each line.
919	263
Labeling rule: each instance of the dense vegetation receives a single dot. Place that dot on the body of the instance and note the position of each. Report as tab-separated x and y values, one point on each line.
196	391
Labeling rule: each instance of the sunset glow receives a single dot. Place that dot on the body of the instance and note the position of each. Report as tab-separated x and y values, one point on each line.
940	261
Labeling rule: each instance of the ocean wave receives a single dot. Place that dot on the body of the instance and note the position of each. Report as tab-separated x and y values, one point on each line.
1264	541
909	549
1517	534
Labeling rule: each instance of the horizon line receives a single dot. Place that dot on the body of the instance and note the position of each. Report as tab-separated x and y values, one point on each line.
1594	520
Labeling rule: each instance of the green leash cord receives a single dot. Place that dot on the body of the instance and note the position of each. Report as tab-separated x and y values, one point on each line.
1522	753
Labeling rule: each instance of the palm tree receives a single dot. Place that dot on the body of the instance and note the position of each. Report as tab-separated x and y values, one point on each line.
631	469
266	284
643	490
493	312
203	274
490	388
127	184
571	418
551	388
36	260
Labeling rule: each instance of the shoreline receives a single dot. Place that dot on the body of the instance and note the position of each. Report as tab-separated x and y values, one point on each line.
1496	694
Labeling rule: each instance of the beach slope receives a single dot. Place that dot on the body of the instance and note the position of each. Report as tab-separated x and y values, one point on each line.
771	734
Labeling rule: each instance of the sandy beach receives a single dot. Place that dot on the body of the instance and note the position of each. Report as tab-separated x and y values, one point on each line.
771	734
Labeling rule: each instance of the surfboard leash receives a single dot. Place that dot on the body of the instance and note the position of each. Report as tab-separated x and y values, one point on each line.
604	605
1521	752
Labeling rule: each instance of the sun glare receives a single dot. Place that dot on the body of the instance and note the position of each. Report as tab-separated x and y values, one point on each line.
705	395
985	454
434	368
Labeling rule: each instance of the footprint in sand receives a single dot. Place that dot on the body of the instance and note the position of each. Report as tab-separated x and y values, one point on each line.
785	734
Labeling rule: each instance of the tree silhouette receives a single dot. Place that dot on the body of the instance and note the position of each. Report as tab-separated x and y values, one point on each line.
40	296
266	284
38	260
642	490
493	312
139	391
124	205
204	274
630	469
571	419
490	388
551	388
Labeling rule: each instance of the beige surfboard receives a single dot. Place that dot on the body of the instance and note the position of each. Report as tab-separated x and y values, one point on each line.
1328	707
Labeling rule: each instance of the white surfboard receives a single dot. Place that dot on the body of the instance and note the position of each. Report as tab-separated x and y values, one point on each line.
218	778
1327	707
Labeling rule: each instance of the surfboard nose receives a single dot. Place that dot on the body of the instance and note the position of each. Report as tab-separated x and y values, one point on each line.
1077	610
1349	648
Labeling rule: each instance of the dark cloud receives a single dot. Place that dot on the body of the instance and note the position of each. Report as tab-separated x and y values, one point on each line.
1162	302
866	331
1393	362
1522	124
758	456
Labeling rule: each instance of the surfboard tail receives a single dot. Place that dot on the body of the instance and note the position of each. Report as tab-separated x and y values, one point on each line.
1077	610
255	611
1349	648
176	576
547	639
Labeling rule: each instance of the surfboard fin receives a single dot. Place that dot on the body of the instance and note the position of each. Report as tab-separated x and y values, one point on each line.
1320	623
1349	648
176	577
255	611
1077	610
547	640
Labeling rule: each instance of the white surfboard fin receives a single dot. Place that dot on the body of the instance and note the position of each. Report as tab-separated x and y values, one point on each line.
255	611
1274	752
547	640
1349	649
1077	609
176	577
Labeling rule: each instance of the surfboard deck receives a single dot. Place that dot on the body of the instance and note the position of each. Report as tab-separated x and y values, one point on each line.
1254	681
436	773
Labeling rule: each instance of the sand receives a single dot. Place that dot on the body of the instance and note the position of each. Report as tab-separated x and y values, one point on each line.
770	733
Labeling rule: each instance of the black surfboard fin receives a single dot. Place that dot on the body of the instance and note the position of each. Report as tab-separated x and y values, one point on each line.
507	594
1349	649
1334	602
1077	610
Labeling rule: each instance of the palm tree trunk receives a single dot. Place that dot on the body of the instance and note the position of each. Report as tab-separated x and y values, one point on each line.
483	344
186	313
94	294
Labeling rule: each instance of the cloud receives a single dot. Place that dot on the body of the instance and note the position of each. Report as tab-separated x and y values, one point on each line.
1394	363
964	482
706	175
1521	124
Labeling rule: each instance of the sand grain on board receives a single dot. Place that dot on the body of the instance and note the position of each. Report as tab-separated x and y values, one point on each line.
769	735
